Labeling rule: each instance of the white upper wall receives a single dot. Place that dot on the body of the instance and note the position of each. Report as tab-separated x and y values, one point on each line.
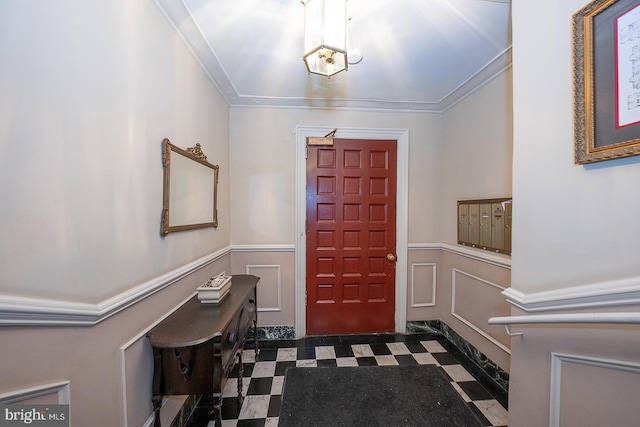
89	90
572	225
478	142
263	168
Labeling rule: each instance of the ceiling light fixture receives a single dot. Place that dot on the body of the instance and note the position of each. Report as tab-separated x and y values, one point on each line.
325	36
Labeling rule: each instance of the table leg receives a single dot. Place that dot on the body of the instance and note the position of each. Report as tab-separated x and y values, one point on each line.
240	376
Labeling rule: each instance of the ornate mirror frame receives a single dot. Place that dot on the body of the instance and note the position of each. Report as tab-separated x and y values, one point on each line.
190	190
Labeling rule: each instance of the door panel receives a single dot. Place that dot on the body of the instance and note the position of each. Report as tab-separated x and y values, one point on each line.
351	223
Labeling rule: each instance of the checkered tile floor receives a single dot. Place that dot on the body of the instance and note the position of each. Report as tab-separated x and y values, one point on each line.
263	380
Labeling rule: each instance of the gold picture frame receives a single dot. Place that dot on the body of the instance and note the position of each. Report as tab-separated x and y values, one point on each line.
190	189
606	102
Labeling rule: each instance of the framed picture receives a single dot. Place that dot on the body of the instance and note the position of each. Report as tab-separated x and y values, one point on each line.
606	73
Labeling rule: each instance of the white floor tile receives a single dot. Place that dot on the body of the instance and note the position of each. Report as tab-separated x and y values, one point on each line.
386	360
248	356
255	407
271	422
494	411
276	385
425	359
458	373
398	348
346	361
433	346
362	350
311	363
263	369
287	354
325	352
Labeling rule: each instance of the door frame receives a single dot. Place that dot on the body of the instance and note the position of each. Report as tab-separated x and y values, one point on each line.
402	211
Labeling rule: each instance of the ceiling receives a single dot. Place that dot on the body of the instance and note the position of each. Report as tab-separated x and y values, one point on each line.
417	55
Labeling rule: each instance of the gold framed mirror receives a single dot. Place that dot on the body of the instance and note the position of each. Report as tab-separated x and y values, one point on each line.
190	190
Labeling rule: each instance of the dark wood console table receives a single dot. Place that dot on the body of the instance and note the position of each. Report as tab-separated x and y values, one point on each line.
195	348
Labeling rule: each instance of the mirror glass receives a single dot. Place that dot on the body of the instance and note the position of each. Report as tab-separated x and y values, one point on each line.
190	189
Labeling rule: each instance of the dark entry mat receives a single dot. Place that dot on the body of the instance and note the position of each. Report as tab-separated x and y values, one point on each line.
372	396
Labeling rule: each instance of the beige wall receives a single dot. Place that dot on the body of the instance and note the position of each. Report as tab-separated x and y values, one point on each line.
462	287
575	243
89	90
478	147
84	110
262	144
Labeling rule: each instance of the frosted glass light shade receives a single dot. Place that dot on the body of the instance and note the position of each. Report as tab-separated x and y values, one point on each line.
325	36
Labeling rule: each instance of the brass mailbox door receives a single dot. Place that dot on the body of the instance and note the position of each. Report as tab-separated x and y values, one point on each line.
485	225
497	226
507	226
463	223
474	224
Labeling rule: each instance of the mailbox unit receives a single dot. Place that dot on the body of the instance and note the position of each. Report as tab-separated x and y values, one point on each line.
485	224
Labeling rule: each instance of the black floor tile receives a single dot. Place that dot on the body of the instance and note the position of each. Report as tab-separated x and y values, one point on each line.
380	349
251	423
415	347
481	418
306	353
446	359
281	367
230	408
260	386
474	390
343	351
326	363
268	354
367	361
406	359
274	406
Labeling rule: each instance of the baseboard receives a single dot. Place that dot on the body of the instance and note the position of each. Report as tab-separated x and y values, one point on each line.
480	366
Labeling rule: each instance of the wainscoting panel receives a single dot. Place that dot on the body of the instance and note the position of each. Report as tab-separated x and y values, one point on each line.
474	300
269	287
423	284
585	391
45	394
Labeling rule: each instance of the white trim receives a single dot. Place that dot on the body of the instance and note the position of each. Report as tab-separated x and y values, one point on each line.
556	376
21	311
603	294
62	389
433	281
470	324
402	210
593	318
263	248
278	308
498	260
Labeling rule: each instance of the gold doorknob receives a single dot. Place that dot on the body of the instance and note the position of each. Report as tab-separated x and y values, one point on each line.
391	257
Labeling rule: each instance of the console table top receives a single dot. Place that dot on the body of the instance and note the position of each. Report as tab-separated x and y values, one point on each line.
194	322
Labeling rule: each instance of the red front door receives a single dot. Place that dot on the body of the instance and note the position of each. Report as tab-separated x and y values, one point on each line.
351	237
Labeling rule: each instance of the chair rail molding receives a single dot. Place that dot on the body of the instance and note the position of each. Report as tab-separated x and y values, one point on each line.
603	294
498	260
28	311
